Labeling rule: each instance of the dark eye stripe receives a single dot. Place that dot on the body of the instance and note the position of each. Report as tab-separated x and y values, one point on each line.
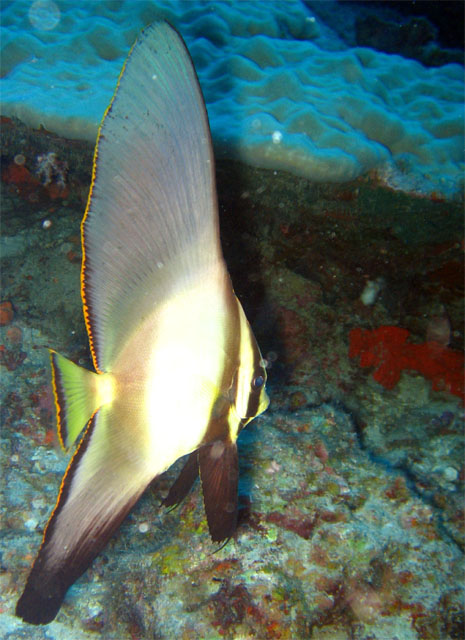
254	395
218	426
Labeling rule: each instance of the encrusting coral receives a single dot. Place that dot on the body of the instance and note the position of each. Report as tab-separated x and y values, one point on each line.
386	348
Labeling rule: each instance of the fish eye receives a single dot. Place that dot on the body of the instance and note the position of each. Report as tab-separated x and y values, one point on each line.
258	382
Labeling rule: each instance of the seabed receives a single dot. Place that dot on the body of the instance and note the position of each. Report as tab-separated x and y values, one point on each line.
352	512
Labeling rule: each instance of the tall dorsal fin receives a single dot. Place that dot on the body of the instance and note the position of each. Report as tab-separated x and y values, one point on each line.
151	221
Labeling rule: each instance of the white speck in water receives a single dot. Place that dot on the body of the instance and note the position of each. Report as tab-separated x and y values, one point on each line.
371	291
46	224
143	527
450	474
154	77
277	136
44	15
274	467
344	489
31	524
160	265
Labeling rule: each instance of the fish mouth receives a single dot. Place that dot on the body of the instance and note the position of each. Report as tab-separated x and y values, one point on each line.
264	403
243	421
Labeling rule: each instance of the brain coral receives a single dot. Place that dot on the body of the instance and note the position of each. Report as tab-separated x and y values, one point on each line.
282	90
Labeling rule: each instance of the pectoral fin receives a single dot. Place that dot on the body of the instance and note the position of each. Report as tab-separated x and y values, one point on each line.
219	472
103	481
78	394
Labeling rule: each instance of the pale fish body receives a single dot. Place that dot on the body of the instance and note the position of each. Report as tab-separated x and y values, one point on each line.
178	370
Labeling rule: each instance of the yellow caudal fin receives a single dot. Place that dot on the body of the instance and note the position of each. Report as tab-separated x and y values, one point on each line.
78	395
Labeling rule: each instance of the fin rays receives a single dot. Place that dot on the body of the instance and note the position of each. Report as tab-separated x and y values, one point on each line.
219	472
91	505
152	214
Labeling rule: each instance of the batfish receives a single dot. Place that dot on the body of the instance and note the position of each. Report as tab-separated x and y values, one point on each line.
177	368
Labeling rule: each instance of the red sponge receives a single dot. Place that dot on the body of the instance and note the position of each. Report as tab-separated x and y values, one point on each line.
387	349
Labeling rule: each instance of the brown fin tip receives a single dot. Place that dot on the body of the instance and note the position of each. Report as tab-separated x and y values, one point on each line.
219	472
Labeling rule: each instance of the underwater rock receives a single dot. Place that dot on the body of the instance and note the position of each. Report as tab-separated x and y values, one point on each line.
406	39
413	39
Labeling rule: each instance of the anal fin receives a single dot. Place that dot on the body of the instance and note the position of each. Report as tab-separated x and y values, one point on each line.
102	483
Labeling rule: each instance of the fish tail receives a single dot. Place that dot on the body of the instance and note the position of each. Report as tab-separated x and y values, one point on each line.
79	393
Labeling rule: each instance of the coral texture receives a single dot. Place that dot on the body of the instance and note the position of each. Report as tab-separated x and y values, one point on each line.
283	90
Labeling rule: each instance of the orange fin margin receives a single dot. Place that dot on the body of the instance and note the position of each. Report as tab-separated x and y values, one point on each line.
66	551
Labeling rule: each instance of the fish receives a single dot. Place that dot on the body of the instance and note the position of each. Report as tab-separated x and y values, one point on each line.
178	371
